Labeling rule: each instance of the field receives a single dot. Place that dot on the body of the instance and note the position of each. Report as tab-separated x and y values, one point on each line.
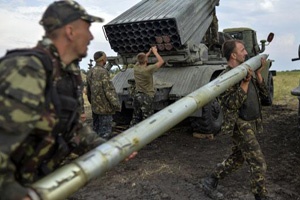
283	83
170	167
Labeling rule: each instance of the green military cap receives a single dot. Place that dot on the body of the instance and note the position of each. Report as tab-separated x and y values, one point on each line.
60	13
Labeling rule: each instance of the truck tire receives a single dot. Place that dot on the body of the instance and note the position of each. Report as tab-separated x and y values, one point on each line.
211	120
124	117
270	85
299	107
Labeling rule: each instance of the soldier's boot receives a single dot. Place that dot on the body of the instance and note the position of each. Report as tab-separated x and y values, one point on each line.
258	197
209	185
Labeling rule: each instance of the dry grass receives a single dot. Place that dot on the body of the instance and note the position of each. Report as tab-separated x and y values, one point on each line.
87	107
160	169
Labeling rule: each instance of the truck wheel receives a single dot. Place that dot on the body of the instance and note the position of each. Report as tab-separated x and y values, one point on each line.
299	108
270	85
124	117
211	120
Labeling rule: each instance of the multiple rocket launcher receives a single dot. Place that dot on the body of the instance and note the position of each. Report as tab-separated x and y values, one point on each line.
167	24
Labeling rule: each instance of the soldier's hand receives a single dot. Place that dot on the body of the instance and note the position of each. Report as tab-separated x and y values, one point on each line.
32	195
83	117
131	156
154	49
149	52
12	190
249	75
263	65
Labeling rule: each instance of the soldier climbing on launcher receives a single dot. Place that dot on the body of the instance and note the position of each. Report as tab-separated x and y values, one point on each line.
144	87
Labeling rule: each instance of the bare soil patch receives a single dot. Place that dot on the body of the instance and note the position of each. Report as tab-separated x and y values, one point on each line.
170	167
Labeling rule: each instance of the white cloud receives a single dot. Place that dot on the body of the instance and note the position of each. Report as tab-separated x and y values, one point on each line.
20	28
264	16
267	5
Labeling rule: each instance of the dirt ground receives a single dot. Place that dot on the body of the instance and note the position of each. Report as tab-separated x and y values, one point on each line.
170	168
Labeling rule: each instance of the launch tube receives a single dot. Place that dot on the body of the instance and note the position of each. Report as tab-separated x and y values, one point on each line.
71	177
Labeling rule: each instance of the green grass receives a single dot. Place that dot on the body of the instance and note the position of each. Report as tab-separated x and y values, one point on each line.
284	82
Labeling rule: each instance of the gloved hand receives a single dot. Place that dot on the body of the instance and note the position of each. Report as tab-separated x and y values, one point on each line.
86	139
13	191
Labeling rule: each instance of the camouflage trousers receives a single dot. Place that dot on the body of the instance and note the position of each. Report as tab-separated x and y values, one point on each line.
102	125
143	107
245	148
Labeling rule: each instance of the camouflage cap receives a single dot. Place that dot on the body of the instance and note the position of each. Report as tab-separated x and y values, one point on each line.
60	13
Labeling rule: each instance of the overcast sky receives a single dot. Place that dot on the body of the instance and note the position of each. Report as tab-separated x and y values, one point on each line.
20	28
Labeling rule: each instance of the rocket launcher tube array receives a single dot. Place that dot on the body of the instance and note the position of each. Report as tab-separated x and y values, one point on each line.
70	178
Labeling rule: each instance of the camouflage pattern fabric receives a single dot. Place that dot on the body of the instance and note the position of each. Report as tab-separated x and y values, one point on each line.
143	107
84	140
22	100
211	35
79	80
27	122
232	100
102	125
101	92
243	134
144	92
215	28
104	100
245	148
60	13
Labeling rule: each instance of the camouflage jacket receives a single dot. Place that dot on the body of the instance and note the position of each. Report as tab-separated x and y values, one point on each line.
101	92
28	119
232	101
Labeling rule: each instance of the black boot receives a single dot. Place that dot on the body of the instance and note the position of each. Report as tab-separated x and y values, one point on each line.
258	197
209	185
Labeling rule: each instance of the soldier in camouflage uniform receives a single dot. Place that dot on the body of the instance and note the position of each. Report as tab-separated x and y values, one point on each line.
242	121
40	101
83	115
102	96
144	88
212	36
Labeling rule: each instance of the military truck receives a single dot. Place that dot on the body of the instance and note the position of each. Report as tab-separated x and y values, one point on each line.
183	32
296	91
